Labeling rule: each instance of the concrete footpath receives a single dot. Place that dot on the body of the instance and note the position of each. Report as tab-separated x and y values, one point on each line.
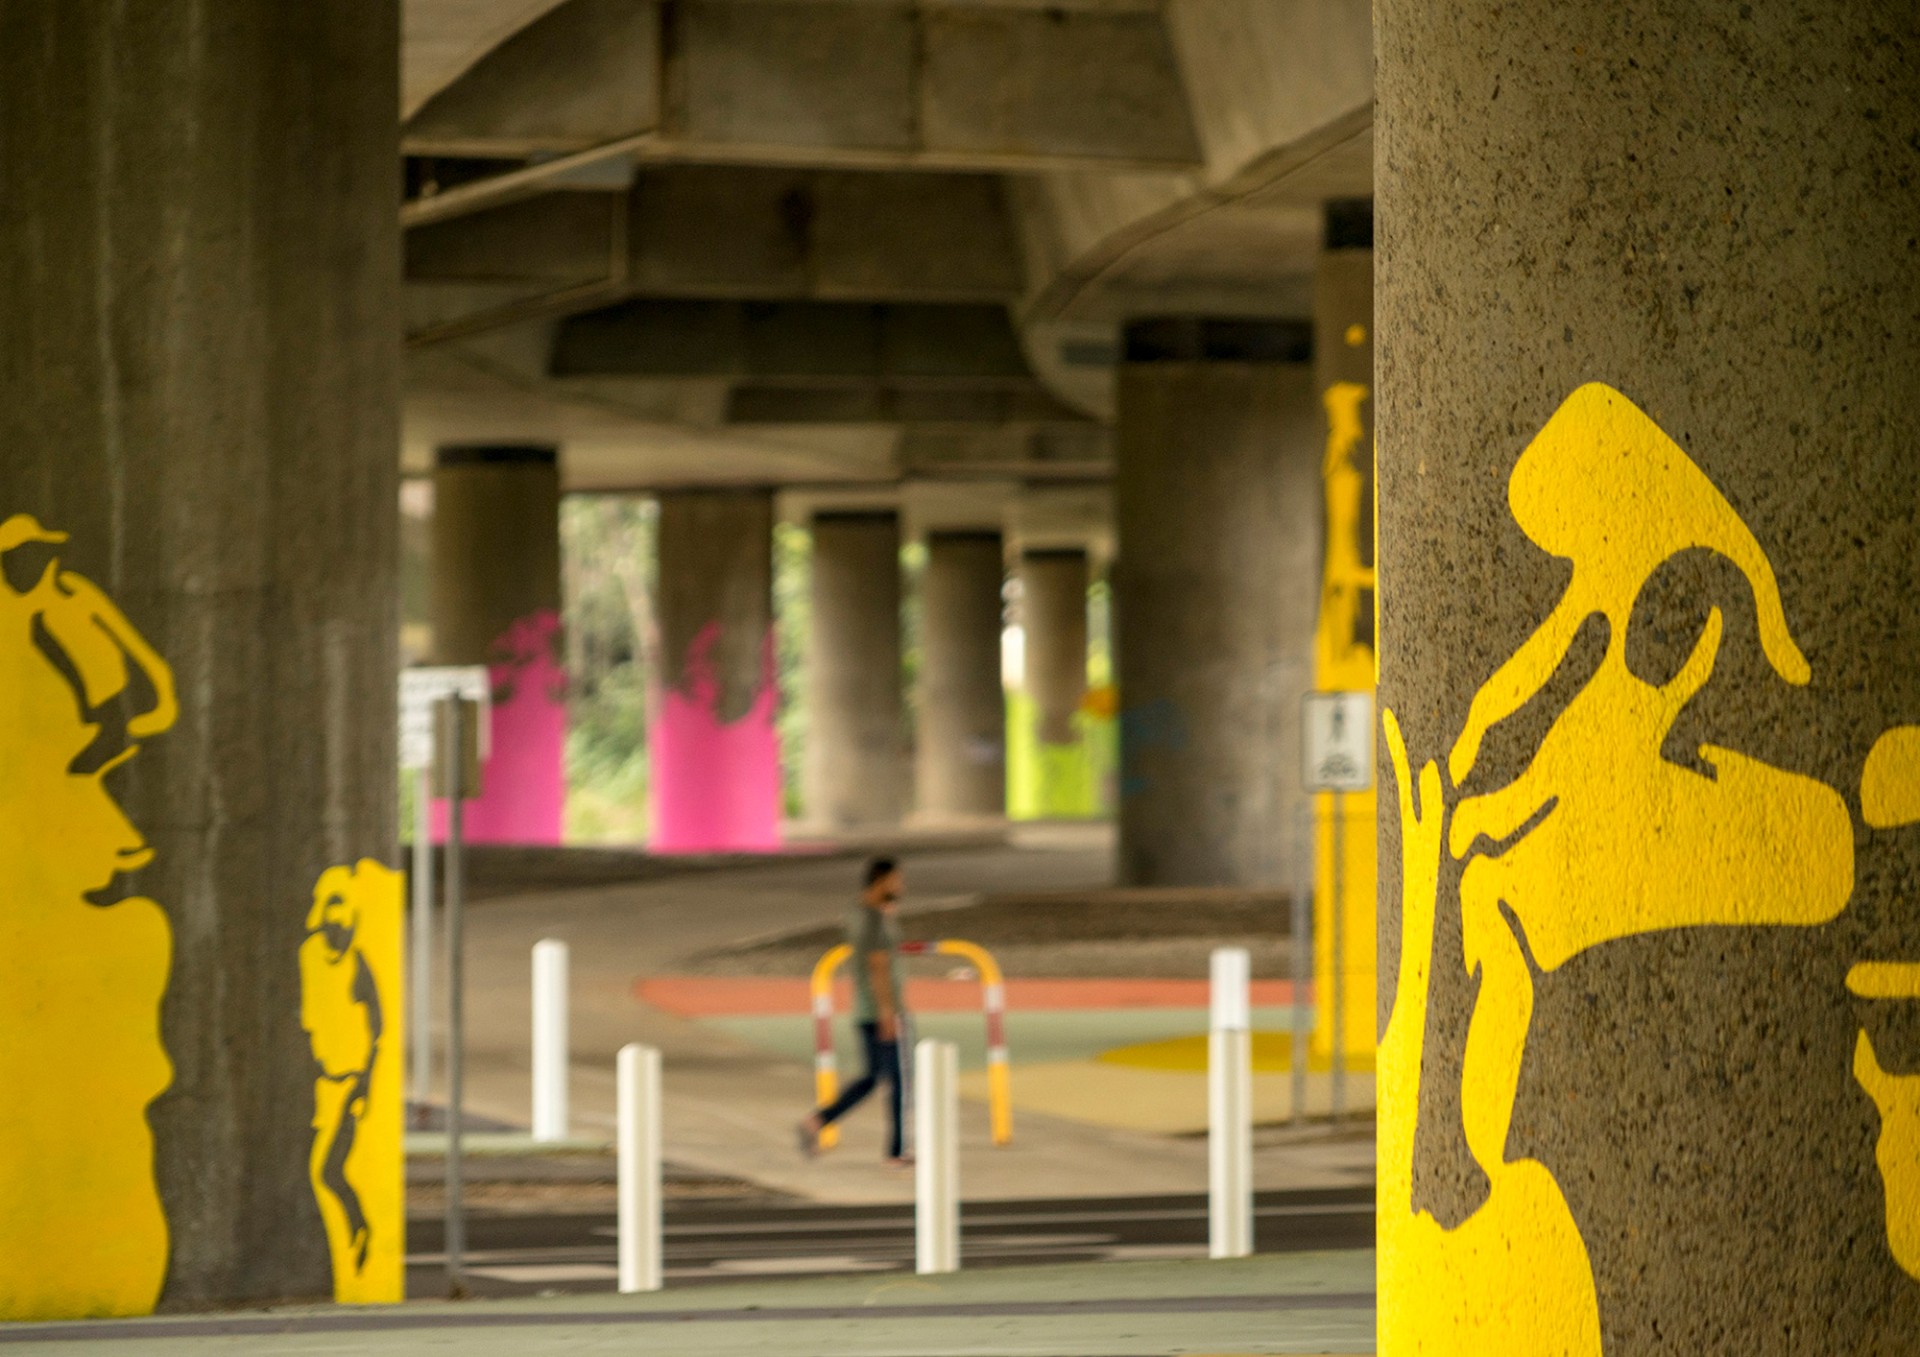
733	1093
1277	1304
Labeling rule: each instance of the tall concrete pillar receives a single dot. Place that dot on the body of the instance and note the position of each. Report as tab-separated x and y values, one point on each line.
496	601
961	759
856	760
199	398
1053	613
714	744
1218	501
1344	643
1651	1081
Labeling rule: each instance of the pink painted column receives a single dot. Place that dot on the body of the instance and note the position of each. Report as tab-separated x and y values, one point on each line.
713	744
496	601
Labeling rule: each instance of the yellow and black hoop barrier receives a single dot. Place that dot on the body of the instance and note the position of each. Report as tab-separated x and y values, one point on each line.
993	1003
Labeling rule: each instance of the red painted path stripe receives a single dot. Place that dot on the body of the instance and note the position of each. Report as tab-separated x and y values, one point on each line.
743	996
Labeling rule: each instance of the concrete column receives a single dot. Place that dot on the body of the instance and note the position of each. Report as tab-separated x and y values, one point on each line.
1053	609
1053	612
856	763
714	745
1647	524
1218	502
496	601
962	753
199	398
1344	642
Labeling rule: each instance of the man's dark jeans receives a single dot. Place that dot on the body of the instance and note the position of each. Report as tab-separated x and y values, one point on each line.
883	1062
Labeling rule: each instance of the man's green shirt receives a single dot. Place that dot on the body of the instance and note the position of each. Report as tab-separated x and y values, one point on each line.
869	931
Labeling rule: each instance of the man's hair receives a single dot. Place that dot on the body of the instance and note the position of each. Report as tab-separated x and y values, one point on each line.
877	868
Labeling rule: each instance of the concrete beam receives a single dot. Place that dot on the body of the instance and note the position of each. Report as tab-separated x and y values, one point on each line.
745	232
559	84
819	342
440	40
751	81
891	403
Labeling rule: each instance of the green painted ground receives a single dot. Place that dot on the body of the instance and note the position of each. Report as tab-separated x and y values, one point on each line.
1032	1038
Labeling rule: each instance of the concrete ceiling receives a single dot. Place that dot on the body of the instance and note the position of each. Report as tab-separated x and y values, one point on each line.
600	188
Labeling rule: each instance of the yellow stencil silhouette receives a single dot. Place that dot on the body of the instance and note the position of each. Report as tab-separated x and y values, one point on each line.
1344	661
82	1231
1890	799
350	1007
1897	1098
1603	488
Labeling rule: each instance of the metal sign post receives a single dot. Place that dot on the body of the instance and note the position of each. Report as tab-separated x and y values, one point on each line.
1337	756
454	784
460	765
422	936
420	690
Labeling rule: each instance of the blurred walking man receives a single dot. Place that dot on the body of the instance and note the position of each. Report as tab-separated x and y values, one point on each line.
873	932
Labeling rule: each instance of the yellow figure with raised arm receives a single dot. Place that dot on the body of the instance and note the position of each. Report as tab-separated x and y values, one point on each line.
350	1007
1601	837
1890	800
82	1231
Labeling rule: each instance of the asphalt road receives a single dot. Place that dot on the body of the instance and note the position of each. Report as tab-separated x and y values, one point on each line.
535	1254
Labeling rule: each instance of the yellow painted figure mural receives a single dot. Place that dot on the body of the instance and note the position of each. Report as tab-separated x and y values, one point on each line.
1718	838
1344	662
81	1226
1890	800
350	1007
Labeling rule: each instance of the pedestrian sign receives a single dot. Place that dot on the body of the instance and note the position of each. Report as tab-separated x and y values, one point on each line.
1336	741
420	689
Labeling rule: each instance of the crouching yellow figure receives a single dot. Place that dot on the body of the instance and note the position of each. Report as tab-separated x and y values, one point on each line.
82	970
349	1005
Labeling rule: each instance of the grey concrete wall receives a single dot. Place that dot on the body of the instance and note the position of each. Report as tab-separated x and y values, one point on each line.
1711	211
199	381
856	773
961	750
1216	589
1053	611
496	546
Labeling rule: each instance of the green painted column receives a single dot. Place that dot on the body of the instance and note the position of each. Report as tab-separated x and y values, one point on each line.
1053	766
1649	330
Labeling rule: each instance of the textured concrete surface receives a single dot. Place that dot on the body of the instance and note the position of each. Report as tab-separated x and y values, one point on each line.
1284	1303
961	746
1713	213
856	765
199	265
1216	590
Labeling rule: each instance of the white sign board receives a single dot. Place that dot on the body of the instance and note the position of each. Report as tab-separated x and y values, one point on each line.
420	689
1336	742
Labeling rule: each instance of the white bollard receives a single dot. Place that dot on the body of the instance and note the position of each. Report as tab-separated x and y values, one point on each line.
936	1168
1230	1108
549	1040
638	1097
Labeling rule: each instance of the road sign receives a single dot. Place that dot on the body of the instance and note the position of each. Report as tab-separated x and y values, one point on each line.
1336	741
420	688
